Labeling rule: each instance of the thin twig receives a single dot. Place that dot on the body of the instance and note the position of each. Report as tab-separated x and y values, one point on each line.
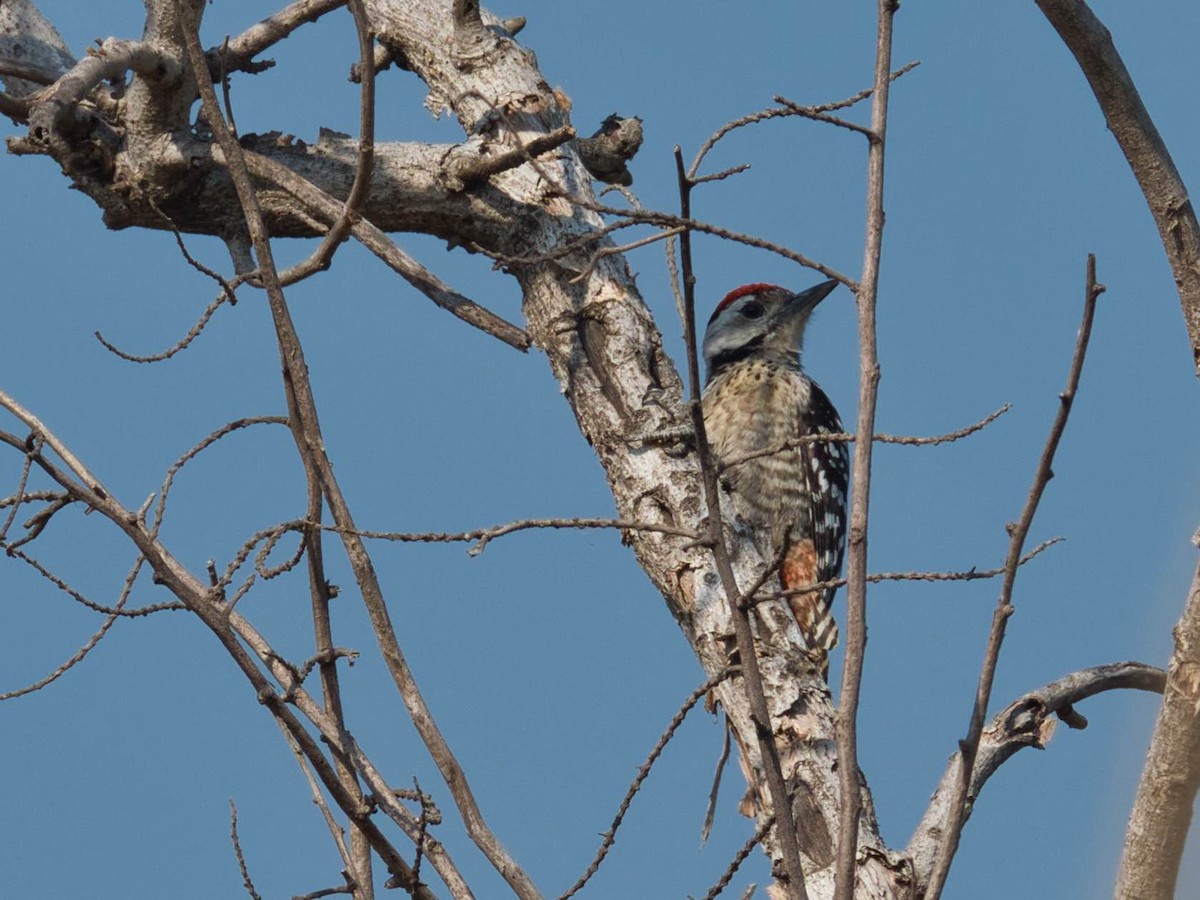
242	642
876	577
95	639
31	497
320	591
268	572
847	438
227	287
79	598
466	168
667	220
322	257
481	537
26	467
787	109
503	260
600	254
740	857
318	798
325	892
752	678
228	294
710	811
422	828
196	450
969	746
868	396
610	836
179	346
247	882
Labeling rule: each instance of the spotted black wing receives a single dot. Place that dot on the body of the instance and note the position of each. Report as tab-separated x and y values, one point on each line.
826	467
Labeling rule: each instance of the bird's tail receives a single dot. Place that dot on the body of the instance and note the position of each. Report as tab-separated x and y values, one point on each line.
811	608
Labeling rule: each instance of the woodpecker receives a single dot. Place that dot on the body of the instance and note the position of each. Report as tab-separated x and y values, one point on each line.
757	398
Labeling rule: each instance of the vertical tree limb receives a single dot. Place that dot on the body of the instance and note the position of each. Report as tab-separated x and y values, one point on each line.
856	570
781	801
1162	809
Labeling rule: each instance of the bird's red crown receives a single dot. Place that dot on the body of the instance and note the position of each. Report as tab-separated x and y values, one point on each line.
738	293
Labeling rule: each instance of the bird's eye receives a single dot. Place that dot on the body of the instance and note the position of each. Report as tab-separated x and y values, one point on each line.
752	310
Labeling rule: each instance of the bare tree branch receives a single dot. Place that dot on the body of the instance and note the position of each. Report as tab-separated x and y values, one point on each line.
1162	809
780	799
739	858
247	882
666	220
241	50
910	440
322	257
785	109
310	444
1166	194
610	836
396	259
1158	823
958	808
1026	722
96	637
849	777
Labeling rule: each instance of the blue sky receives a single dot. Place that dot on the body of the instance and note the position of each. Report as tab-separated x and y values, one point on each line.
551	663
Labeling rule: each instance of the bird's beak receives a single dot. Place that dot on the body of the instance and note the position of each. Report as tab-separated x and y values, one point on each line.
804	302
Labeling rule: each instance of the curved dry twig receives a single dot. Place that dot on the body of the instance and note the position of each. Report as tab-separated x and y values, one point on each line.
600	254
610	836
318	798
785	110
91	642
228	295
196	450
322	257
79	598
1091	43
179	346
1026	722
268	572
